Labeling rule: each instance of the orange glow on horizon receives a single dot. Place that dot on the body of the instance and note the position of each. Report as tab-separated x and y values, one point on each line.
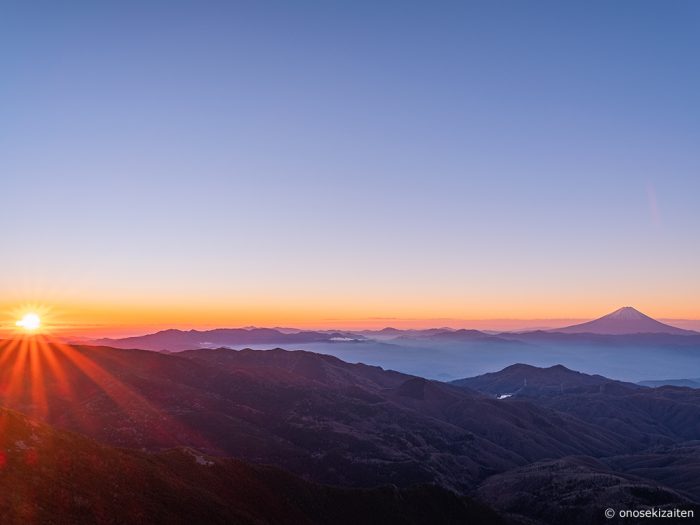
28	319
122	320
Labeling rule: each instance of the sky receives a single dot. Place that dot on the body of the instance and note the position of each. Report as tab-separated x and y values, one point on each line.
224	163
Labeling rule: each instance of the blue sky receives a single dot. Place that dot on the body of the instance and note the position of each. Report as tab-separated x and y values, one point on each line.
306	160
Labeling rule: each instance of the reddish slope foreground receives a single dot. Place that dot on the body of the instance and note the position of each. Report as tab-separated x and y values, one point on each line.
48	476
315	415
330	421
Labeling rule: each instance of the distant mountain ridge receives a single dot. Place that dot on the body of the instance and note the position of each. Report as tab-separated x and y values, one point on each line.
640	348
686	383
177	340
626	320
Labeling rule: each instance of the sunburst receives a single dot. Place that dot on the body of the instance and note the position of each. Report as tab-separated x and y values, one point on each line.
39	370
32	319
30	322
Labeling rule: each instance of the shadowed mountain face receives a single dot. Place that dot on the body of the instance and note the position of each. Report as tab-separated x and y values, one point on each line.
314	415
574	491
663	417
626	320
49	476
531	381
360	426
676	465
663	414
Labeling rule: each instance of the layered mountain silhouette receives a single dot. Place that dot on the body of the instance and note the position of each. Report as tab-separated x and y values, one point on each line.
176	340
311	414
625	345
260	436
626	320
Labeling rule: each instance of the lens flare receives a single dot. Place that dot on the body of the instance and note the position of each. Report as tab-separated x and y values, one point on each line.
30	322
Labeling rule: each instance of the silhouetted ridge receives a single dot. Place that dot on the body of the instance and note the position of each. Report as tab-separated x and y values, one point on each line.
522	379
177	340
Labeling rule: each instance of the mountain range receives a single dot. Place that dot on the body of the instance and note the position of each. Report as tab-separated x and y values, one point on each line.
625	321
216	429
176	340
53	476
659	352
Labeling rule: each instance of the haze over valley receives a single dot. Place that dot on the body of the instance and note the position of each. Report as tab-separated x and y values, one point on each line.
625	344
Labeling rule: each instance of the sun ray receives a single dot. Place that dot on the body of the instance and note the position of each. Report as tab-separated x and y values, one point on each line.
17	381
56	370
42	375
8	348
36	373
162	426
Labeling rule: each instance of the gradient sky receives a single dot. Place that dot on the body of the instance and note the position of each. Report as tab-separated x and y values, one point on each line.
319	163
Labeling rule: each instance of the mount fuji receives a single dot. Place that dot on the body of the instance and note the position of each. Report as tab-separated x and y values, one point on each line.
626	320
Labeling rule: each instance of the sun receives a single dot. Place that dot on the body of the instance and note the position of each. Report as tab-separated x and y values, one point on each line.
31	322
